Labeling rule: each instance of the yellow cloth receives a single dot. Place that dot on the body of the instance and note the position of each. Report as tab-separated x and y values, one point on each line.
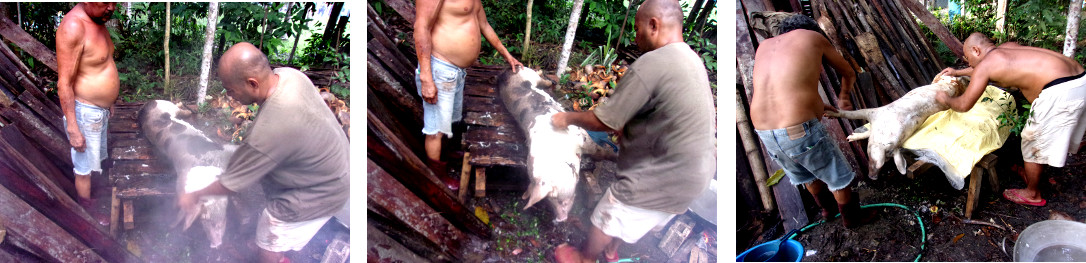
956	141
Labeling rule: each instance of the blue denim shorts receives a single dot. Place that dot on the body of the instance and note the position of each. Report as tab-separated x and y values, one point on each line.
449	80
806	154
93	122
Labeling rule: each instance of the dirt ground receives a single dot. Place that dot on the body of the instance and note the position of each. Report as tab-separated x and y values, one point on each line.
154	238
895	235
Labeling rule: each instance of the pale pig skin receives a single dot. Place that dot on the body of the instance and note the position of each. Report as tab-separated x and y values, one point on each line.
554	158
197	160
893	123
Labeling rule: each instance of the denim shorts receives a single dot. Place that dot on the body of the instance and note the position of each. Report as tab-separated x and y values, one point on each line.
93	122
806	154
449	80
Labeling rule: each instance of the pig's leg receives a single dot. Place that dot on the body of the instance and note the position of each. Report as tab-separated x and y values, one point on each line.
859	136
899	160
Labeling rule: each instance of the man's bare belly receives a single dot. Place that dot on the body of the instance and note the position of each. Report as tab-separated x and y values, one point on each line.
101	91
457	44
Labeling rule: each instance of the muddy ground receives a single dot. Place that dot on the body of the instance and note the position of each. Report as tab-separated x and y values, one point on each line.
531	235
154	238
895	235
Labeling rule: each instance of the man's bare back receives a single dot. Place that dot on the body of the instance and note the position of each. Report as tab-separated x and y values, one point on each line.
1027	68
786	71
85	59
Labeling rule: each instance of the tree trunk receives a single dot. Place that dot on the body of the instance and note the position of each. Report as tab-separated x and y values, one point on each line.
1073	13
693	13
525	55
704	15
571	30
1001	13
333	20
166	46
297	36
209	41
263	29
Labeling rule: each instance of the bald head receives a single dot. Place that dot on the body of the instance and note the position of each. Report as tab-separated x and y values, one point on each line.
658	22
977	39
243	61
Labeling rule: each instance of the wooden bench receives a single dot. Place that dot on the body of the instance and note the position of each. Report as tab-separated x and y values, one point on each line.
136	171
493	137
986	164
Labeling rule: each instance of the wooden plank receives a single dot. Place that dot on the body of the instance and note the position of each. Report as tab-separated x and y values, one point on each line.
514	151
476	134
989	163
495	160
465	176
386	49
403	7
914	31
124	125
869	47
409	128
129	217
61	178
12	32
54	145
395	65
935	26
385	149
382	248
388	193
395	94
681	228
483	104
132	153
114	213
480	90
492	119
48	115
480	182
41	233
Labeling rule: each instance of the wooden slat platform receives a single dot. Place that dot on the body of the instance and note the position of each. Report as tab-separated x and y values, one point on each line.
492	136
136	170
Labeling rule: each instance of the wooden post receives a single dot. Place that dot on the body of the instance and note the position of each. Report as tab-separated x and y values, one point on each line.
480	181
465	177
1001	13
974	191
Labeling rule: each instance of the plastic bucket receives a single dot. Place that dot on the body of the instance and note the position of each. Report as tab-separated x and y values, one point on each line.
791	251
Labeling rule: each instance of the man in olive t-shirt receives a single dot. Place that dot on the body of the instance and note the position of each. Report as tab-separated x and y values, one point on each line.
295	149
664	110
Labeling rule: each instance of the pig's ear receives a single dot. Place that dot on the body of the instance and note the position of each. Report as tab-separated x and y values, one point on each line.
535	194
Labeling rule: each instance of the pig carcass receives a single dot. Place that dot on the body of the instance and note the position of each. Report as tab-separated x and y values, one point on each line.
893	123
197	160
554	156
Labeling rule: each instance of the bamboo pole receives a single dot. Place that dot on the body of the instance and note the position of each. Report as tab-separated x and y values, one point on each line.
750	144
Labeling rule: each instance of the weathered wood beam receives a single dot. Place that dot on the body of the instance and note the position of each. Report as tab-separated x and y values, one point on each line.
403	7
41	234
386	85
384	148
61	176
384	191
936	27
399	122
53	144
40	191
12	32
382	248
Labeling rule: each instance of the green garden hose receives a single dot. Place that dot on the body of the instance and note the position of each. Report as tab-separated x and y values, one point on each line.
923	234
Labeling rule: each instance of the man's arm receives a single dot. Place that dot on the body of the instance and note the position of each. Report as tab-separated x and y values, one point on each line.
951	72
69	49
492	38
187	201
848	76
425	16
586	120
977	83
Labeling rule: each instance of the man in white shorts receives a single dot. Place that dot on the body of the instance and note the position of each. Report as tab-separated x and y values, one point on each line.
663	110
295	149
1055	86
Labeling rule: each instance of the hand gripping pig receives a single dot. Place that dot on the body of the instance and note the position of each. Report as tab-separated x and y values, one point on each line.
894	123
197	160
554	158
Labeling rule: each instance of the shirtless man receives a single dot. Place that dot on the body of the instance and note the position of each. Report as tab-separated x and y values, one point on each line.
447	41
785	108
1055	86
87	84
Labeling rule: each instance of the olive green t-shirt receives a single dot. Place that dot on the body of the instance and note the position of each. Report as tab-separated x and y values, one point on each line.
663	107
296	150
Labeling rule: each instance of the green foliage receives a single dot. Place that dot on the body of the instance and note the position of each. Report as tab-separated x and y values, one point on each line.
1037	23
604	55
1011	117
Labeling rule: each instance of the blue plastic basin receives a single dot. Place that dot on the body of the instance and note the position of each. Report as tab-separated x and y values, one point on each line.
791	251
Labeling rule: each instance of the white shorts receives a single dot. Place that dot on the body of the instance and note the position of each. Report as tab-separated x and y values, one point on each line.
1056	126
276	235
626	222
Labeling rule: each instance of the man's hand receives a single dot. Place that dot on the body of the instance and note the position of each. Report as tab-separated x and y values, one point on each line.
947	72
429	92
514	63
75	138
559	121
843	104
187	203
